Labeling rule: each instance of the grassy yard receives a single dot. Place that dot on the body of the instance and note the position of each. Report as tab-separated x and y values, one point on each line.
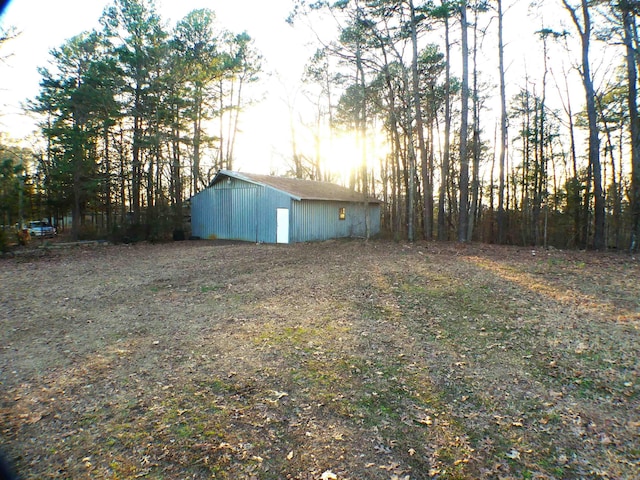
336	360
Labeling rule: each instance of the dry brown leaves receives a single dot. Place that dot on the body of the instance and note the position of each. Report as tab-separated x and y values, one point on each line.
339	360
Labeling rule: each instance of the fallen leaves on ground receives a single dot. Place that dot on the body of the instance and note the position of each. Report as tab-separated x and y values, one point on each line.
337	360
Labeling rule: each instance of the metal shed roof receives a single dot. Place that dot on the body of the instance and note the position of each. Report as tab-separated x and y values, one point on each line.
297	188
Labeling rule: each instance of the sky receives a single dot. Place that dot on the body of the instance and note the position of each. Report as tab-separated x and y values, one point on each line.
264	142
46	24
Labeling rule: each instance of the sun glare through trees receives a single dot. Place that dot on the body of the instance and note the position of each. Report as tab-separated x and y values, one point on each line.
489	121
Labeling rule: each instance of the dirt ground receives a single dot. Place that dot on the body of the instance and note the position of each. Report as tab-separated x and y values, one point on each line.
335	360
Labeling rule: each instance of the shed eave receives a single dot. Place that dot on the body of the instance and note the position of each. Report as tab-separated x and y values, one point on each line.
372	201
284	192
239	176
340	196
228	173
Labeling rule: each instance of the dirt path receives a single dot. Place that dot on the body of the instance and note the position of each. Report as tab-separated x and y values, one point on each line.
333	360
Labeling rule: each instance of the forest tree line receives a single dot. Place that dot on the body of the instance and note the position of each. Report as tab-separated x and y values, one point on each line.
127	114
542	173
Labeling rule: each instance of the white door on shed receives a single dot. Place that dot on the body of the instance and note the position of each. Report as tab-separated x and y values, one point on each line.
282	225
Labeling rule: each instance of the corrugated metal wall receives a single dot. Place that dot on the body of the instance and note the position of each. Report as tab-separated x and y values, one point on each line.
238	210
201	213
316	221
225	211
270	201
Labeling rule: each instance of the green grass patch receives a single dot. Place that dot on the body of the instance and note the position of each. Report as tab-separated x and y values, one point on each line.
212	288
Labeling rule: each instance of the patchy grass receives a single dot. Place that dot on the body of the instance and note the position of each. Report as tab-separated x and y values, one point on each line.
378	361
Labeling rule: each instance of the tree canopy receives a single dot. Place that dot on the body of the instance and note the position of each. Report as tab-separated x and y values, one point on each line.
138	117
123	111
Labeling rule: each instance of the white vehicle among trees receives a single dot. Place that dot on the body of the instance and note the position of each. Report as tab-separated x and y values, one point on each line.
41	229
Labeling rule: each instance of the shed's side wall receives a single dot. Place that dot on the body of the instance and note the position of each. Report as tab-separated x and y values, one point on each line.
374	215
200	208
316	221
237	210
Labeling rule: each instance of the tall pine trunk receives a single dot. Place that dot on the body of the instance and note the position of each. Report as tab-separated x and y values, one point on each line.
417	108
503	130
197	135
463	219
362	132
107	176
584	29
475	181
444	168
176	171
136	165
634	123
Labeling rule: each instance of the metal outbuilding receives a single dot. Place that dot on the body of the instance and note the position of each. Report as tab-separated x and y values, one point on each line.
263	208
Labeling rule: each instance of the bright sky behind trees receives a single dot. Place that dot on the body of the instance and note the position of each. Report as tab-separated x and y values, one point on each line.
360	117
285	50
44	25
